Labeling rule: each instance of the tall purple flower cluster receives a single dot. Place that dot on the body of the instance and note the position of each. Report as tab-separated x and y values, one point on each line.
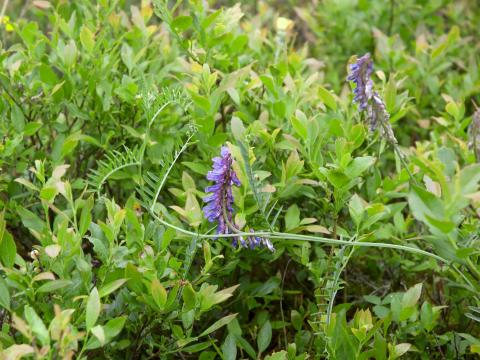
220	200
219	206
360	73
369	100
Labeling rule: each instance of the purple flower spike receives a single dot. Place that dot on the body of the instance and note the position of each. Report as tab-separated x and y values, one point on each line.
369	100
220	202
219	206
360	73
255	241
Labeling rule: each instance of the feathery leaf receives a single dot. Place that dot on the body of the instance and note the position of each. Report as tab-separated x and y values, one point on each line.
113	162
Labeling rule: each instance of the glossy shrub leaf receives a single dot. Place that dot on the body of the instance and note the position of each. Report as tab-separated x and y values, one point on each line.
264	336
159	293
4	295
37	325
411	297
92	309
229	348
111	287
218	324
8	250
53	285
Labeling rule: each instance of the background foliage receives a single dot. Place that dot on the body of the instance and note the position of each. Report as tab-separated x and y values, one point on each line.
111	112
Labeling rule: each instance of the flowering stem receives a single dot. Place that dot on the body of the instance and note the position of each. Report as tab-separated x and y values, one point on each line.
287	236
401	155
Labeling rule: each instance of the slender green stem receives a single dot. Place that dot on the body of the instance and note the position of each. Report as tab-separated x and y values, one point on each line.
401	155
157	193
336	279
150	123
318	239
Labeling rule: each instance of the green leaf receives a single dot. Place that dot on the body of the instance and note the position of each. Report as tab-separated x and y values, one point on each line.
427	317
134	278
4	294
30	220
87	38
26	183
48	193
8	250
16	352
269	84
229	348
18	119
182	23
127	56
37	325
111	287
453	109
222	295
358	165
113	327
159	294
357	209
99	334
86	216
206	124
110	330
423	203
93	308
238	130
401	349
292	217
218	324
187	182
296	319
327	98
264	336
390	95
469	178
245	345
201	102
444	226
299	124
197	347
53	286
69	54
32	127
411	297
201	169
189	297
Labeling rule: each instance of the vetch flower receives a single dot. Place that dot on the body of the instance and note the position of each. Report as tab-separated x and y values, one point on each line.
360	73
379	118
219	206
255	241
220	201
369	100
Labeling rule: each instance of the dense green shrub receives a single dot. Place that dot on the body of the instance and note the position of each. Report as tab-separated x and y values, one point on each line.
111	114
